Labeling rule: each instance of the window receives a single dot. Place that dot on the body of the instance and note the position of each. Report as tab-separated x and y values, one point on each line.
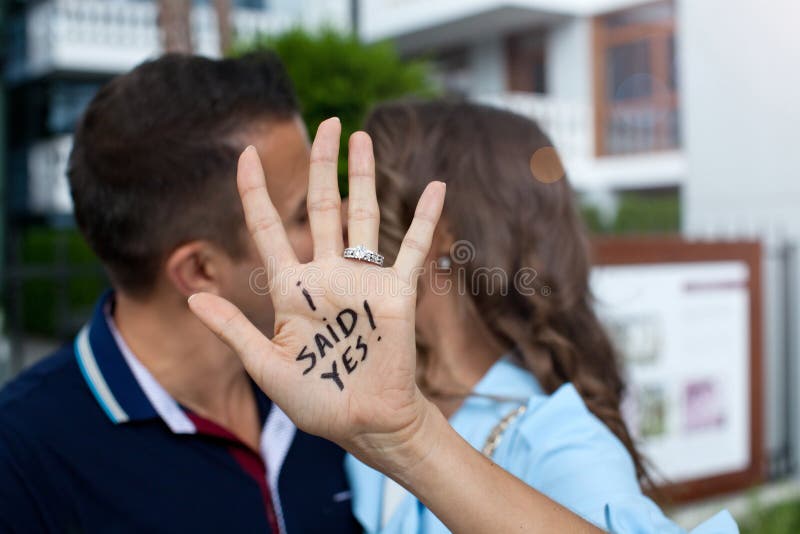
67	101
636	98
453	71
526	63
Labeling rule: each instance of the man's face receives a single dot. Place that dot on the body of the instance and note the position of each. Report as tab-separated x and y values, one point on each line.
284	150
285	155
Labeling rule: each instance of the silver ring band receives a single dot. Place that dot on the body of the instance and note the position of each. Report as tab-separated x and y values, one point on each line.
361	253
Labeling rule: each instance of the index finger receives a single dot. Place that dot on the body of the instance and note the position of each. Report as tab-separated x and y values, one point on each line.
262	218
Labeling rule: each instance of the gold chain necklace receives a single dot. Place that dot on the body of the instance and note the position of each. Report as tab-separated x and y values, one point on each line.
496	435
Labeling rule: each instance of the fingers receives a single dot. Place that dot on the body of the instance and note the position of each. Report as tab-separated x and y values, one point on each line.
262	219
417	241
363	216
235	330
324	201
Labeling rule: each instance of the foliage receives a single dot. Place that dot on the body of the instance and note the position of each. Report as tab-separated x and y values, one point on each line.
69	270
337	75
648	214
592	219
783	518
637	213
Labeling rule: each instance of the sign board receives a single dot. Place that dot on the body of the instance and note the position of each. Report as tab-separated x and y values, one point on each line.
685	319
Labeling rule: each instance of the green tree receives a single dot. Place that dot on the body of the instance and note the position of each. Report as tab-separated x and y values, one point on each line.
643	214
69	270
337	75
636	214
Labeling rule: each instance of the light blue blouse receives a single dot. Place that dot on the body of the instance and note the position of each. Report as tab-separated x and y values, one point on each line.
557	446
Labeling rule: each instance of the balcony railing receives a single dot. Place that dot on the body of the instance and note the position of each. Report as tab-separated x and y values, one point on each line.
48	188
642	159
110	37
568	124
640	128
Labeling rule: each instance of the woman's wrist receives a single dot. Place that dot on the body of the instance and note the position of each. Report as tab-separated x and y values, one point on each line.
419	449
401	453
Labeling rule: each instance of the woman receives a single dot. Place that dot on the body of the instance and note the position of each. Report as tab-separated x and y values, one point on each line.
342	363
514	354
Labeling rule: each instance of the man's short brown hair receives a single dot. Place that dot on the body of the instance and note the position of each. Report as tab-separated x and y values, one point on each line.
153	163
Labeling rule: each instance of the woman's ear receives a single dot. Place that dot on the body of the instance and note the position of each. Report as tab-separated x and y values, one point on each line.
442	241
194	267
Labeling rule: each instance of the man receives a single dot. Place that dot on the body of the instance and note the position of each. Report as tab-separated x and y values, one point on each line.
147	422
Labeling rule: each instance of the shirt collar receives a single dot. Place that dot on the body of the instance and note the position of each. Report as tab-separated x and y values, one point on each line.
507	379
106	371
122	385
161	401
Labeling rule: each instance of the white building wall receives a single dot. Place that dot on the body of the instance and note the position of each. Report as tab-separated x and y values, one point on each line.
568	64
321	13
740	81
488	65
739	85
568	60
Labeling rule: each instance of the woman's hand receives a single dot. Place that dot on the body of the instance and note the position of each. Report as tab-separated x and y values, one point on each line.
342	361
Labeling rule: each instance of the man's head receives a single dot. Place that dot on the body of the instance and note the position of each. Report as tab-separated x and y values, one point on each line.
153	172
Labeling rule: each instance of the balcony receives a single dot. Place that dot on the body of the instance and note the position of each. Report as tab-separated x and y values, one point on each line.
570	127
48	188
112	37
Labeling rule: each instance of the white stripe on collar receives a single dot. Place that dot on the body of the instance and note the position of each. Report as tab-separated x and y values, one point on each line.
92	374
162	401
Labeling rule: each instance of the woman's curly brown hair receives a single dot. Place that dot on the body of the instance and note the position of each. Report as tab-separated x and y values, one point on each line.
514	222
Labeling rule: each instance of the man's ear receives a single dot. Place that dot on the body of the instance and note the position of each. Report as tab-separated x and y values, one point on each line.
196	266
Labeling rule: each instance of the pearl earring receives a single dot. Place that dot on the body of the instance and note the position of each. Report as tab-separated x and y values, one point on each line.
443	262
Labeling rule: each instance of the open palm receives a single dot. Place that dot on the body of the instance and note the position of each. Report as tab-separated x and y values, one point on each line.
342	361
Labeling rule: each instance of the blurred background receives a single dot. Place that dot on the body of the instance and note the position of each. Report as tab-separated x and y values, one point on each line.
676	121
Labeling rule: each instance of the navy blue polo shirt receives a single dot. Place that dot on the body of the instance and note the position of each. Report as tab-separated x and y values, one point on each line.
90	442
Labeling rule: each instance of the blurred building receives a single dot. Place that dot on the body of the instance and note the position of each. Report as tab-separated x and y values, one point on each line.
57	54
696	99
61	51
600	76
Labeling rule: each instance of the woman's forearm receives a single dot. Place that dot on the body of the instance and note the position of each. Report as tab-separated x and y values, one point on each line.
470	493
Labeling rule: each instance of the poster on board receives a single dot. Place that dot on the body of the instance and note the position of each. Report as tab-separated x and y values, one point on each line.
682	325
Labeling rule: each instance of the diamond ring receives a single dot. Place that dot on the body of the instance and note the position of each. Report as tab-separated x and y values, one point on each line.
361	253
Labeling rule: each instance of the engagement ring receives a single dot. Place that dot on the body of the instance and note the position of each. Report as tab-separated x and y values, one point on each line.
361	253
